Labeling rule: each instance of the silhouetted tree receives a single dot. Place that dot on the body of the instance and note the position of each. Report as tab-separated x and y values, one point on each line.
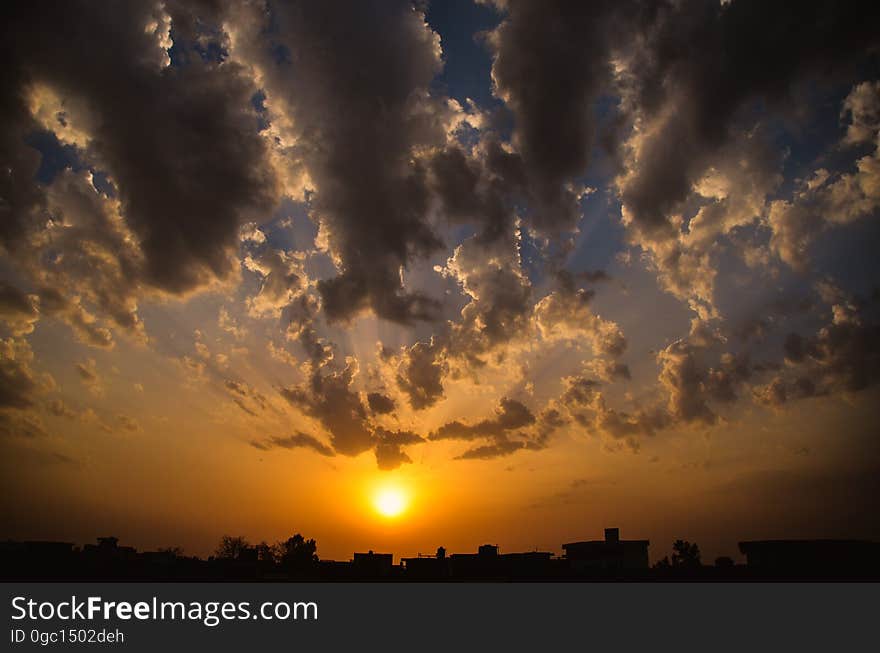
266	553
297	553
663	564
173	551
685	554
231	547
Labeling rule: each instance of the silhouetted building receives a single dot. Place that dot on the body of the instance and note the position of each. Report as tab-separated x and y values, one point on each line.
530	564
36	559
334	569
483	564
108	548
612	553
487	550
812	555
488	563
372	565
44	550
425	567
610	558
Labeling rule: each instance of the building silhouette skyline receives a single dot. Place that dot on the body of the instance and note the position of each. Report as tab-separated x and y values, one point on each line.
608	559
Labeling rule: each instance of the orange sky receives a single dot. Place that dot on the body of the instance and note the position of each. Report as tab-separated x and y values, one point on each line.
188	474
584	270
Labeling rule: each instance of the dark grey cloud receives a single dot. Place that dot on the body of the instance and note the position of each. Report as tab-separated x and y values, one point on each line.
87	372
611	370
282	280
509	416
91	259
780	391
246	397
552	62
180	143
566	313
499	309
380	404
300	317
389	451
329	398
480	187
177	145
585	402
18	310
828	198
675	91
842	356
549	420
21	195
697	69
354	88
514	427
21	424
294	441
59	408
17	384
21	388
420	374
497	449
352	122
55	303
685	377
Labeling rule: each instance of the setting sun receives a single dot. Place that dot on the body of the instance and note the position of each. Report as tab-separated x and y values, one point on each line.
390	501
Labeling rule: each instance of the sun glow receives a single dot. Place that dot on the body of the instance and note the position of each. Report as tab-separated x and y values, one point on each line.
390	501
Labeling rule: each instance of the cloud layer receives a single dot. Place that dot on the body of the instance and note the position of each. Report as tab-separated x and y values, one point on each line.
310	166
